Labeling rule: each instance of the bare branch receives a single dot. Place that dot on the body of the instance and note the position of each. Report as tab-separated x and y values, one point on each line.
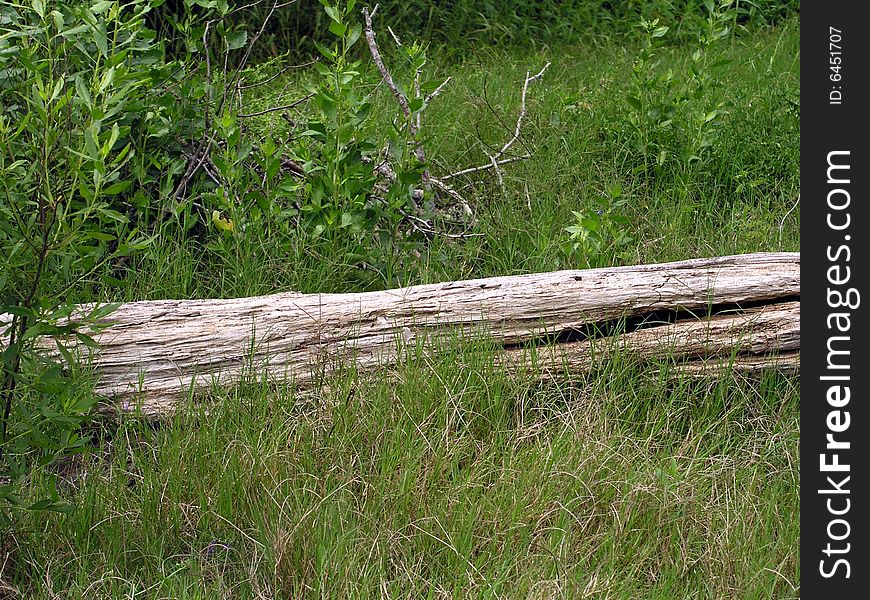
278	74
395	37
379	62
277	108
470	170
437	90
413	124
496	160
466	209
522	114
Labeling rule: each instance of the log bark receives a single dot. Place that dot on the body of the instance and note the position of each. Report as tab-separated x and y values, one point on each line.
748	341
154	353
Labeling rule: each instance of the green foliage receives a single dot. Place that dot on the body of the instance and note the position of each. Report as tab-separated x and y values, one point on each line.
74	80
460	26
670	118
343	195
600	230
339	160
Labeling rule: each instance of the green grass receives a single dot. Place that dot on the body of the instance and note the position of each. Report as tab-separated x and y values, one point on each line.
442	482
450	477
742	199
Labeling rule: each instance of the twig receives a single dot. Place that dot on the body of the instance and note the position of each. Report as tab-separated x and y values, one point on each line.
201	153
413	125
782	223
379	62
278	74
437	90
193	165
453	194
395	37
522	114
469	170
423	226
495	160
204	146
277	108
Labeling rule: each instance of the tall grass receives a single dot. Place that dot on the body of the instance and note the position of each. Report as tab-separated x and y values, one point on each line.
449	479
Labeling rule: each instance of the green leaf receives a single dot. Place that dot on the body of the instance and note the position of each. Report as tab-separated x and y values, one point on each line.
58	86
324	50
337	28
113	215
660	31
58	20
101	311
236	39
101	236
113	280
83	93
117	188
333	13
60	506
87	340
68	358
355	32
101	7
7	492
91	134
100	38
222	223
634	102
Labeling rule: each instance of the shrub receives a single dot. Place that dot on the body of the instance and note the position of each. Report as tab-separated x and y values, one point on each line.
76	87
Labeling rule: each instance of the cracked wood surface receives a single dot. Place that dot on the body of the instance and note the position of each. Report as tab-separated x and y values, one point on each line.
748	341
153	353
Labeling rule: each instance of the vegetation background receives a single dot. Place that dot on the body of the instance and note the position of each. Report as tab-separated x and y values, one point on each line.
203	148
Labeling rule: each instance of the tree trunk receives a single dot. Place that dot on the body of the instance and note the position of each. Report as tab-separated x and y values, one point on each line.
154	353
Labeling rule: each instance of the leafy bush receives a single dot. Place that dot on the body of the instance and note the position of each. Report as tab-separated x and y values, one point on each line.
600	230
669	120
75	87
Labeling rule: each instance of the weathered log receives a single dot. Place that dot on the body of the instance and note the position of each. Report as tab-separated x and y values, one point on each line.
153	353
751	340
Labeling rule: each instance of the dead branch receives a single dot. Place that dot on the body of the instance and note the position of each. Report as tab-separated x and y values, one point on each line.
277	108
278	74
437	91
400	97
489	165
495	159
151	354
522	114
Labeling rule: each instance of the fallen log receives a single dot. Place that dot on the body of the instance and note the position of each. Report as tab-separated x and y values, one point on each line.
751	340
153	354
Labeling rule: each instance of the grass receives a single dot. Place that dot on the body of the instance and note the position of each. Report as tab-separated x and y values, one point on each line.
450	477
451	482
741	199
